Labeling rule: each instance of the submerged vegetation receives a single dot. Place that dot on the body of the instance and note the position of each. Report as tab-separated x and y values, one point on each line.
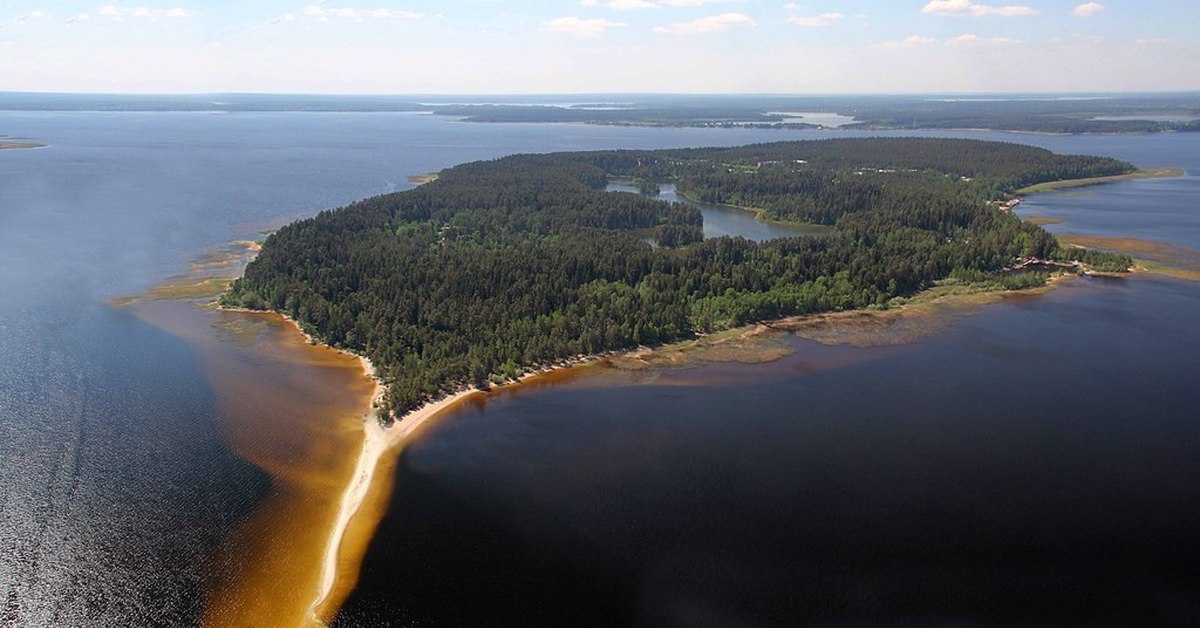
499	265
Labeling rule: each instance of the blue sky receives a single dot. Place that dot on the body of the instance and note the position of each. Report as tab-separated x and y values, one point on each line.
573	46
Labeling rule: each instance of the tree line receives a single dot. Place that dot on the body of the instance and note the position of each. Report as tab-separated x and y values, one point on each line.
502	264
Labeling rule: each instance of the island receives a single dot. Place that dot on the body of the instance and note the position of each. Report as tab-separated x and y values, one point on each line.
495	268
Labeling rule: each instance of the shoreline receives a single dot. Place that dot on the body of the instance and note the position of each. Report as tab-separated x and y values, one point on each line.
1065	184
760	215
378	442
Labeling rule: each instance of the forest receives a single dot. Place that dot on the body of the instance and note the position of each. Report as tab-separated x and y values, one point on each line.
1117	113
500	265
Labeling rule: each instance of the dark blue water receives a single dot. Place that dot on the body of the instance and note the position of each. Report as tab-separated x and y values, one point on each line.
114	486
1035	464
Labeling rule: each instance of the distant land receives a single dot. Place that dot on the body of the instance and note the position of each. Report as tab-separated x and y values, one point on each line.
1032	113
6	143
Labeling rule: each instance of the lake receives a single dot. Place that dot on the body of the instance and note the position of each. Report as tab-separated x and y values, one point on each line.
601	497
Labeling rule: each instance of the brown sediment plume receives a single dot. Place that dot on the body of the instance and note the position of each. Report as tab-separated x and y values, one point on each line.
302	413
296	411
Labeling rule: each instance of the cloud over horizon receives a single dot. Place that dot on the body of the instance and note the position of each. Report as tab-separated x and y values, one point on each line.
581	27
1088	9
823	19
967	7
710	24
503	46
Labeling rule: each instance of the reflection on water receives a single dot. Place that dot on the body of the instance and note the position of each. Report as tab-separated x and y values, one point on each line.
723	220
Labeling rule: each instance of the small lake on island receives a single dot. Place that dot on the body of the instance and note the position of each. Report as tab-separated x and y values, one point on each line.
1036	458
723	220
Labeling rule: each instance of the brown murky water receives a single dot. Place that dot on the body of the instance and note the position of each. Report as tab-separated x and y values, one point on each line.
295	410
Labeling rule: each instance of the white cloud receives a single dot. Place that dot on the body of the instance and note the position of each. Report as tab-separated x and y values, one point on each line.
116	13
631	5
32	15
710	24
912	41
323	13
966	7
1143	41
823	19
973	39
693	3
1088	8
581	27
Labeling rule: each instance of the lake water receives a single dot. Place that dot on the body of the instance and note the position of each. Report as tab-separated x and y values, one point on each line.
611	499
723	220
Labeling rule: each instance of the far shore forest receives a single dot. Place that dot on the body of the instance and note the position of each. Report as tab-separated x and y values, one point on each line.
497	266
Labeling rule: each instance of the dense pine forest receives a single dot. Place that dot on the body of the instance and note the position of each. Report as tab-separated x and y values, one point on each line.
503	264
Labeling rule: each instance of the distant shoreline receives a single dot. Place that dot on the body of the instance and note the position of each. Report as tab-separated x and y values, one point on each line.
5	145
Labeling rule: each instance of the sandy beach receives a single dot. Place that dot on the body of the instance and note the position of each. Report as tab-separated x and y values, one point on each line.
378	441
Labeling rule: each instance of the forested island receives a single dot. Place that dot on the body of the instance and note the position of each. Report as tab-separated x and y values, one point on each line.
497	266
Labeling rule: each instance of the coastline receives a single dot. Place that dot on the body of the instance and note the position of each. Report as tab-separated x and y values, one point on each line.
352	527
1141	173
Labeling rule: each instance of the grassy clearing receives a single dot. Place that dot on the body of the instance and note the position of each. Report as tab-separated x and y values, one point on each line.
1146	173
1044	220
421	179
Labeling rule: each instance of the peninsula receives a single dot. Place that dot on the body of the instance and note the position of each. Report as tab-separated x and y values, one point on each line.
500	266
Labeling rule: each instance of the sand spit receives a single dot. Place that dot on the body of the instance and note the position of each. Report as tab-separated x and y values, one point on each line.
380	444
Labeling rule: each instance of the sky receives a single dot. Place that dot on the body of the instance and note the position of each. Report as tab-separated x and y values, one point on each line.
599	46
